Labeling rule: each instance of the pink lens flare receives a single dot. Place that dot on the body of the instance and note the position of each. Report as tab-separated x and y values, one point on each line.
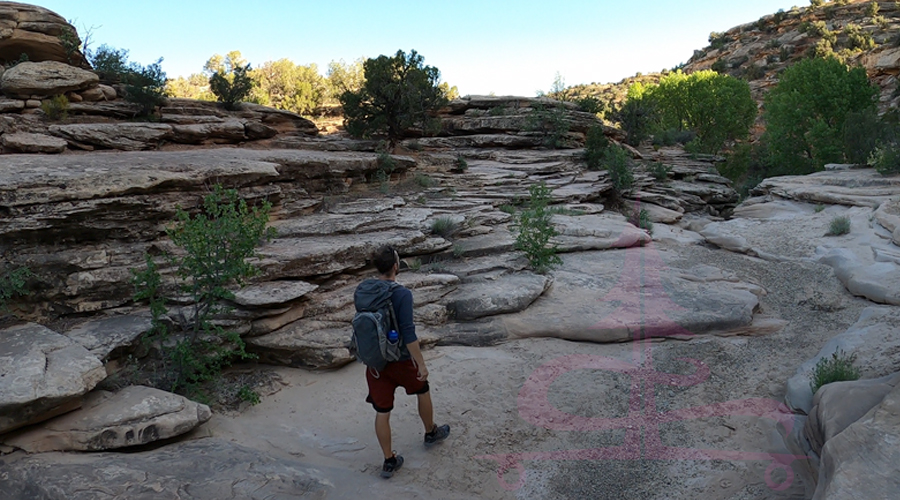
642	300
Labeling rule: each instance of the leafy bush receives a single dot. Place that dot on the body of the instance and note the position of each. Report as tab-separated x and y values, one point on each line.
595	146
641	220
232	88
550	122
425	180
56	108
862	132
806	112
590	104
617	162
660	171
12	285
110	64
460	165
399	93
858	39
444	227
839	226
215	245
720	66
637	116
838	368
285	85
534	229
819	208
145	86
885	158
508	209
70	42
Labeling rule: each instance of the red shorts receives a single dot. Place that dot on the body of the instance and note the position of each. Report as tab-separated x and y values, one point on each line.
382	387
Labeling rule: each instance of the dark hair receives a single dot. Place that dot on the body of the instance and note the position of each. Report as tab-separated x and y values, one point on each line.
385	258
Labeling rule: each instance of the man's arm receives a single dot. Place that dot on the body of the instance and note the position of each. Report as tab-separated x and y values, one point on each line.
416	354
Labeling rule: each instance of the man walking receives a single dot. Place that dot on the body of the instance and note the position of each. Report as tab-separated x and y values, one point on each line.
409	372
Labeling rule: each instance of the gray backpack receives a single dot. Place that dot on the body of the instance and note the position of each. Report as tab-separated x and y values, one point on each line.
373	320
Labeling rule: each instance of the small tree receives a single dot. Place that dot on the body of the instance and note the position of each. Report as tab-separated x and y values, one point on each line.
216	244
232	88
534	229
109	63
400	93
145	86
12	285
806	112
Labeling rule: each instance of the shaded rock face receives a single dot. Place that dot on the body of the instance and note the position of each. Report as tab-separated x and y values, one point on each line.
208	469
44	374
45	79
134	416
34	31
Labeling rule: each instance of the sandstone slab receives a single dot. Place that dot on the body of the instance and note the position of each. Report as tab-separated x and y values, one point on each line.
121	136
35	31
45	79
273	293
208	469
863	187
596	232
105	336
24	142
134	416
493	295
228	131
44	374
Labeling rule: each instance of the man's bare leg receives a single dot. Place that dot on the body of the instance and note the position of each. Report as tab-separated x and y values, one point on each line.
383	432
426	411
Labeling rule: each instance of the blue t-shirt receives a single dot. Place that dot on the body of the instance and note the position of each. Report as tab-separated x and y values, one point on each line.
402	300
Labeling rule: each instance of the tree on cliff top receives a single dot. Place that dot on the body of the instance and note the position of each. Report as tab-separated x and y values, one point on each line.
399	93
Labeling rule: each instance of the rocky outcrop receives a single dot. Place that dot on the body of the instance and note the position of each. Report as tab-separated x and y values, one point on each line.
45	79
872	341
44	373
34	31
848	439
133	416
198	470
23	142
121	136
858	187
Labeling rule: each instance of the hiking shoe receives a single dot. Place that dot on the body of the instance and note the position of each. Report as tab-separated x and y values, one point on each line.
391	465
437	435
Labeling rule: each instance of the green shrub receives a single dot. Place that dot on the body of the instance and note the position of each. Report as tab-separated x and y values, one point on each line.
56	108
248	395
637	116
71	43
13	284
839	226
816	3
110	64
838	368
146	87
534	229
872	9
550	121
590	104
819	208
641	220
660	171
754	72
215	245
595	146
232	88
720	66
444	227
617	162
885	158
858	39
425	180
460	165
508	209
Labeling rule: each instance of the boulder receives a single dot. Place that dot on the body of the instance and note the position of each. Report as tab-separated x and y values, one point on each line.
493	295
44	373
859	423
134	416
122	136
319	345
34	31
873	340
45	79
596	232
24	142
11	105
208	469
105	336
878	282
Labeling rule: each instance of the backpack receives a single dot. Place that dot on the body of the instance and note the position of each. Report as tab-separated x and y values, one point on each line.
373	320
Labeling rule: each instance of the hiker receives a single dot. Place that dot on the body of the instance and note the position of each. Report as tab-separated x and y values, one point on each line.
404	369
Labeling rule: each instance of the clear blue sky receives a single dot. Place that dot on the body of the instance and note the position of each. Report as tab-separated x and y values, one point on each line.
506	47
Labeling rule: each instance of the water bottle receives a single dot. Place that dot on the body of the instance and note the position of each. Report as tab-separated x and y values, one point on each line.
393	337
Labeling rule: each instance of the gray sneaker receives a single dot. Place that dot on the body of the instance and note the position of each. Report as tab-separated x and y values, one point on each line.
391	465
437	435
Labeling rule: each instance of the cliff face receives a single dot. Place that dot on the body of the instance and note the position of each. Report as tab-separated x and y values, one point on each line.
861	32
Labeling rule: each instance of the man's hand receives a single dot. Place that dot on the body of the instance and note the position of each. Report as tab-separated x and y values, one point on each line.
423	373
